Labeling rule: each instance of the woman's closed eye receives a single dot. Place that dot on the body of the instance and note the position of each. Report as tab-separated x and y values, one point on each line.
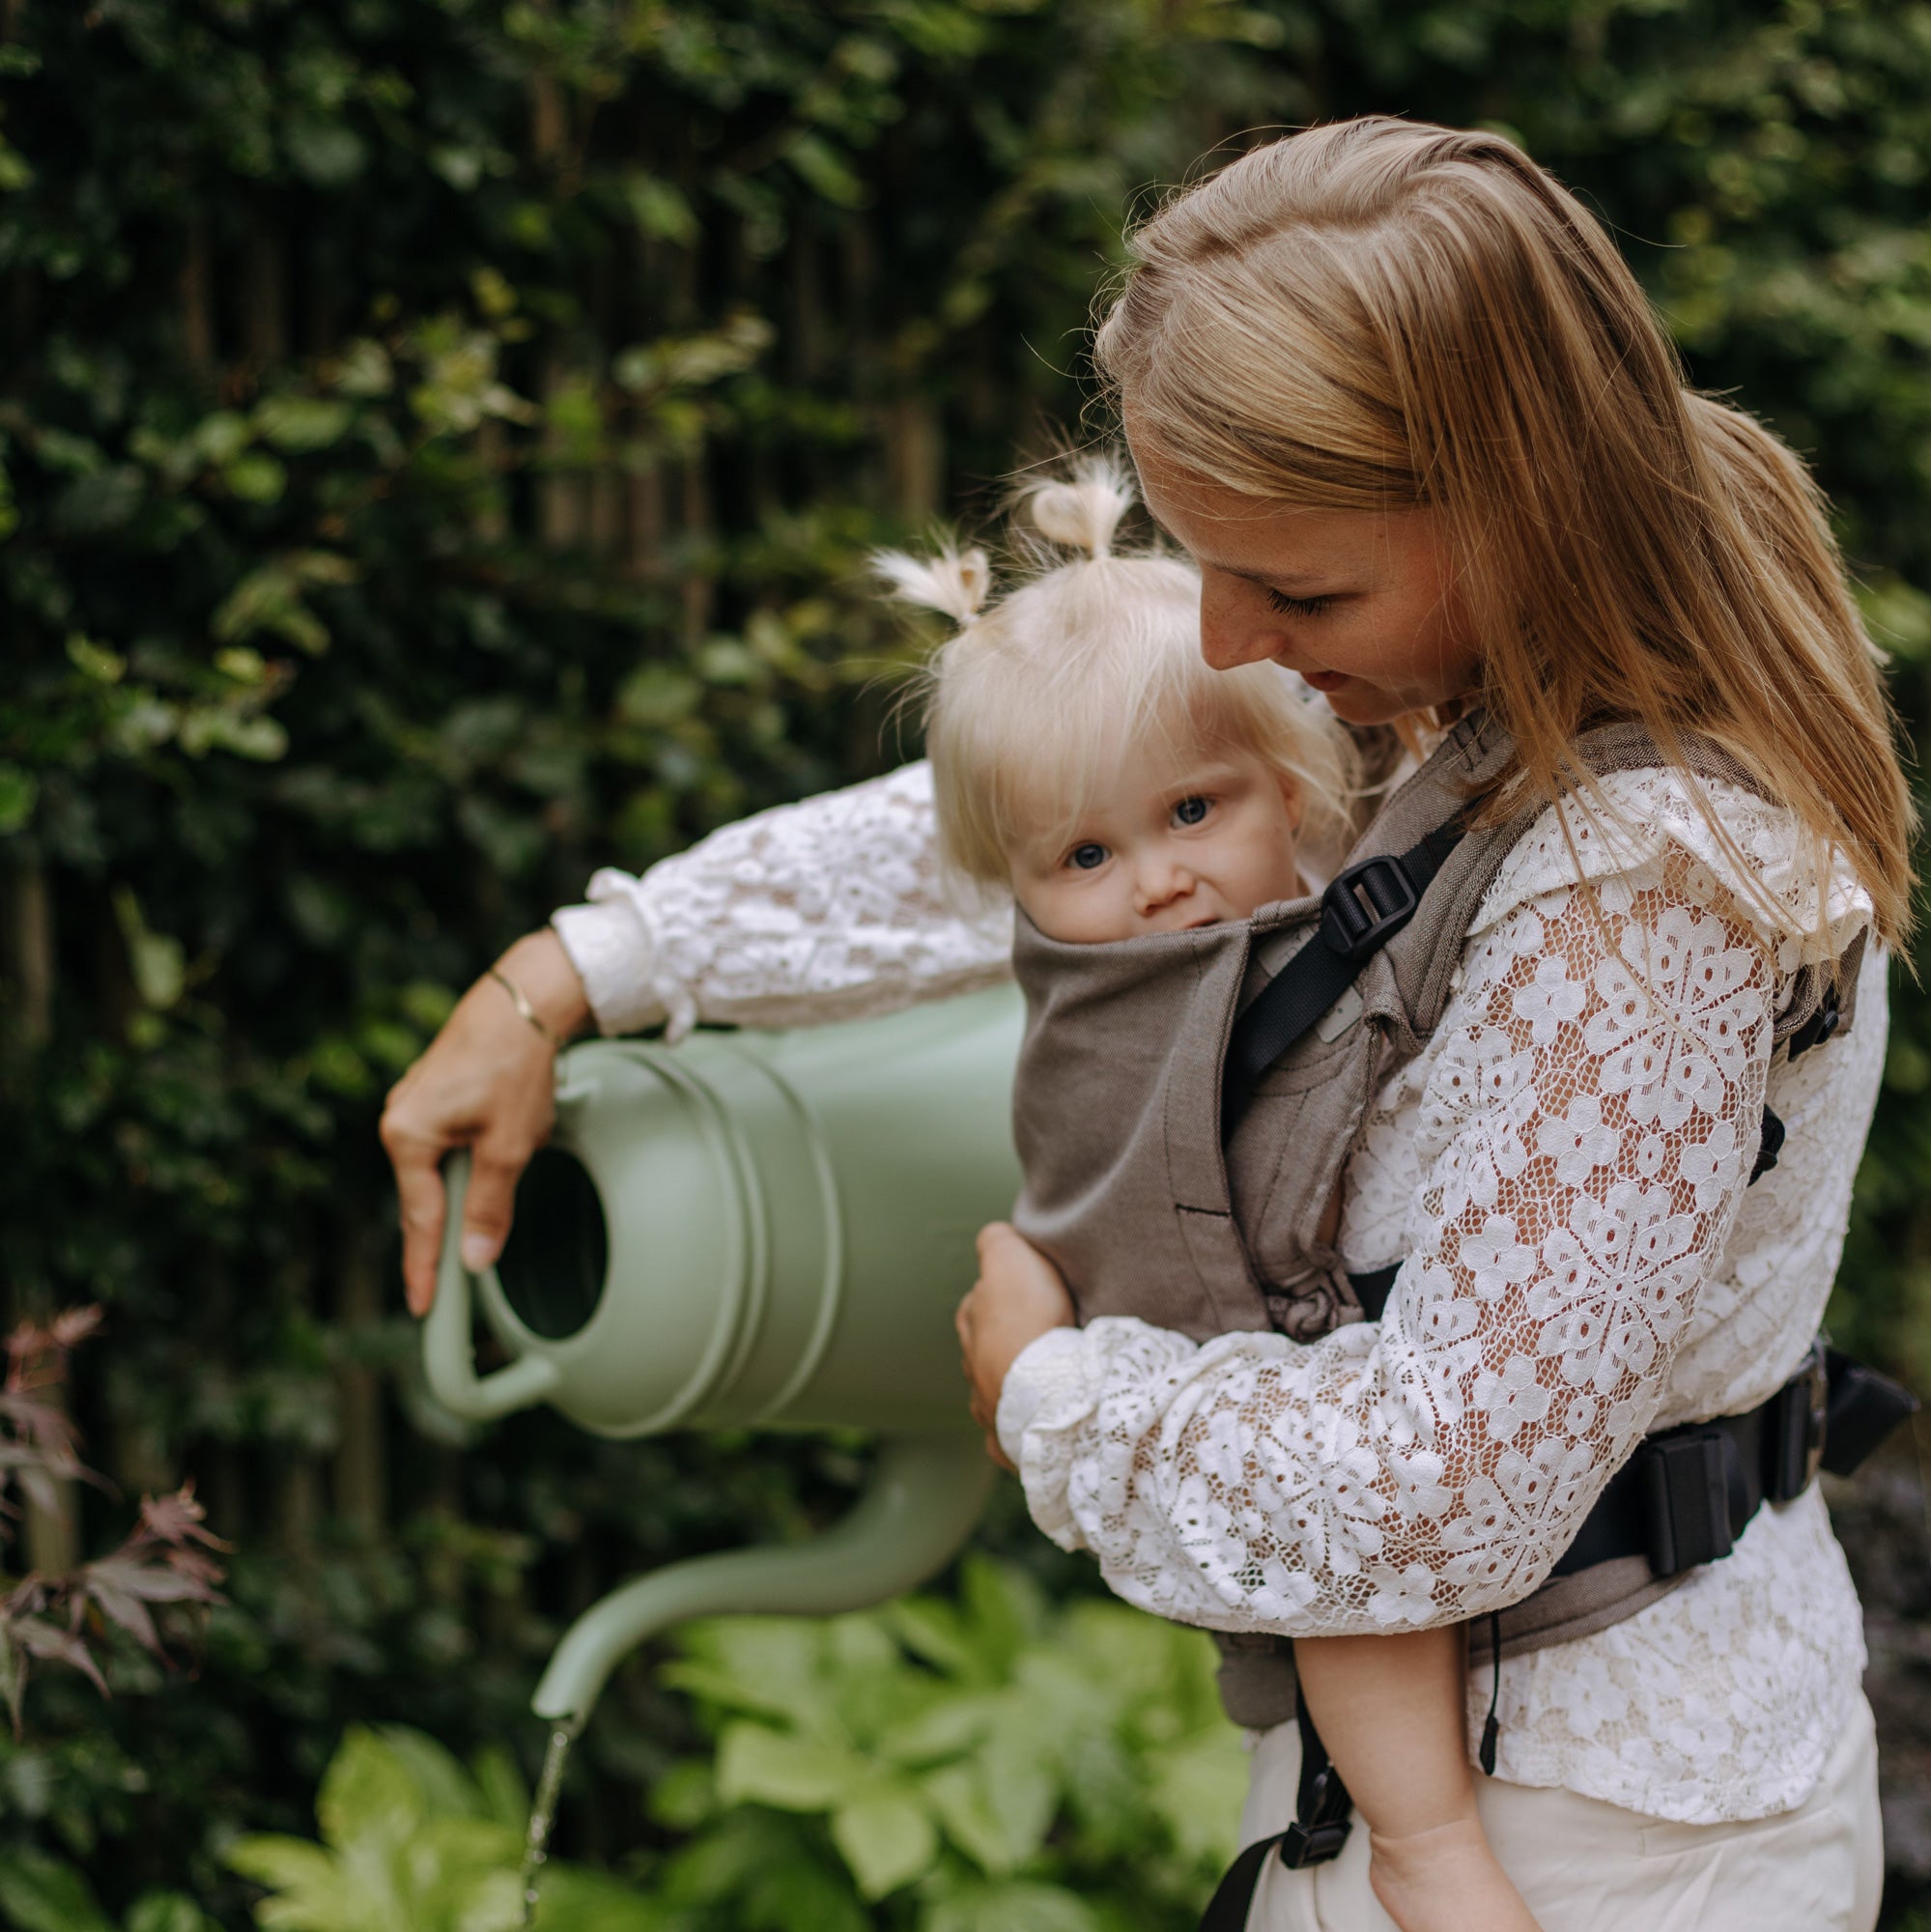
1192	811
1298	606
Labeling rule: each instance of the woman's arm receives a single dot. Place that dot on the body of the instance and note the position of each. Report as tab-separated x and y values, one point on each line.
825	910
485	1081
830	909
1584	1146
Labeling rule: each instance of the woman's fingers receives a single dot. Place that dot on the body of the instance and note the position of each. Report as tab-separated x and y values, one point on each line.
419	1189
495	1166
1017	1297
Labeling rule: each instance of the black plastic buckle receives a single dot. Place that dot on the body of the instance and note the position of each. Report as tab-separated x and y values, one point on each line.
1304	1845
1354	929
1794	1442
1686	1495
1820	1024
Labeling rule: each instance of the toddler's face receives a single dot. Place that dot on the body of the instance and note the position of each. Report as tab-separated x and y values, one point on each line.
1160	850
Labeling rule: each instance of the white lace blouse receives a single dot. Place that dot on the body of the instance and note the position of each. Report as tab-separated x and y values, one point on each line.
1562	1170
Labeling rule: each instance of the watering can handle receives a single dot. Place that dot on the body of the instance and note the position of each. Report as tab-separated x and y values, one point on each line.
448	1344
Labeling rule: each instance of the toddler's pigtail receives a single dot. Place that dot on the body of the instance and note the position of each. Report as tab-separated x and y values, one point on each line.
953	582
1083	512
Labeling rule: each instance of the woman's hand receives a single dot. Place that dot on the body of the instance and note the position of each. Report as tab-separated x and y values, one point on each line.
485	1083
1017	1297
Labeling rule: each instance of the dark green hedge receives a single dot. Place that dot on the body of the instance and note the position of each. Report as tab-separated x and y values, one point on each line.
437	441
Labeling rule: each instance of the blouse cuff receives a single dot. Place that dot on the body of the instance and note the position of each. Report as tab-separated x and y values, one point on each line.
1047	1376
614	953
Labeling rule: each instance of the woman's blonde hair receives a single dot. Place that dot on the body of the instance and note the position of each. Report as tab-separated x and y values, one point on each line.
1381	314
1088	665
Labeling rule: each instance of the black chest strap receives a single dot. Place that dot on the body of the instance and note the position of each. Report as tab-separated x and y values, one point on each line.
1363	908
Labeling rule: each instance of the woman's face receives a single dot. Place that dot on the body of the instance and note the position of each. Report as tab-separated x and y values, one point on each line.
1361	603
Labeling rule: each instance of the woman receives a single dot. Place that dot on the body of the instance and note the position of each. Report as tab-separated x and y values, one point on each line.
1404	405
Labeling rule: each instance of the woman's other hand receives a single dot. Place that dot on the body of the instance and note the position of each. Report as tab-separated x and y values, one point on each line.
485	1083
1019	1298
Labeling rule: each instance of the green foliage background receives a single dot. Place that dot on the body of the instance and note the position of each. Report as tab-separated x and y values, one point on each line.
438	439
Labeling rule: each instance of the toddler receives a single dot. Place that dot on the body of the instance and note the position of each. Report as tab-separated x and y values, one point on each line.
1085	755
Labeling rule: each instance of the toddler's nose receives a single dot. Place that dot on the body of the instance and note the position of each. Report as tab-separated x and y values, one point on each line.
1158	883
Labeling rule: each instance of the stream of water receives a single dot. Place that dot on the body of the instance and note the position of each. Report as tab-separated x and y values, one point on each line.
542	1815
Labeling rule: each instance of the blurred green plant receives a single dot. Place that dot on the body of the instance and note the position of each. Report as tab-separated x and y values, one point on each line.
40	1893
979	1765
413	1842
984	1765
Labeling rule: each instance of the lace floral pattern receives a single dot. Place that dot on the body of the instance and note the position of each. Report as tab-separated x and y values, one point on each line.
1562	1166
829	910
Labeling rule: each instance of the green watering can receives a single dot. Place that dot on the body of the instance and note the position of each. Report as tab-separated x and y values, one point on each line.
755	1229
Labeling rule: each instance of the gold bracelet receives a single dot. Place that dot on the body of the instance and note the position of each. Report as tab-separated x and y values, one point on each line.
521	1000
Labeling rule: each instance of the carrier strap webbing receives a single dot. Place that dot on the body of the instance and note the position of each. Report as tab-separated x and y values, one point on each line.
1362	909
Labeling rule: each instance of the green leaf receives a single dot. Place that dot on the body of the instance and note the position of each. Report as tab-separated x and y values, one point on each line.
888	1839
96	661
256	478
997	1807
328	153
18	791
1011	1908
659	210
281	1863
368	1795
155	960
1198	1786
447	1789
300	424
42	1893
500	1785
792	1772
570	1901
168	1912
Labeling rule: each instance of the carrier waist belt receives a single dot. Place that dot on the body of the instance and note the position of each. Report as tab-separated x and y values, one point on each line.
1685	1494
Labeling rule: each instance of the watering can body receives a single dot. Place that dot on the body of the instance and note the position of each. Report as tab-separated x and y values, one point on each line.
750	1229
755	1229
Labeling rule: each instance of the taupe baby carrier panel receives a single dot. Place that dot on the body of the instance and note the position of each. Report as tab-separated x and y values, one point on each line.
1119	1106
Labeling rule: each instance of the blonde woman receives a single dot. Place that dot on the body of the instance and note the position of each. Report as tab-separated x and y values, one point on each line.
1395	391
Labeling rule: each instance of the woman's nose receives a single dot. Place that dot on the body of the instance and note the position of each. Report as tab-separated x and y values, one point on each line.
1233	629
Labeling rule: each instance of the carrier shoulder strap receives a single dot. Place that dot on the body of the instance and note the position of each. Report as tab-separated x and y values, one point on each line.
1376	897
1364	906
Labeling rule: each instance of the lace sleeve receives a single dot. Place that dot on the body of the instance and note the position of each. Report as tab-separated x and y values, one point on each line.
830	909
1586	1133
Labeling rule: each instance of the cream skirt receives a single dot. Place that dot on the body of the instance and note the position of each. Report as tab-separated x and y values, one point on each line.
1586	1866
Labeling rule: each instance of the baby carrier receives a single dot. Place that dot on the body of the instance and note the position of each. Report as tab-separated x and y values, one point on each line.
1185	1103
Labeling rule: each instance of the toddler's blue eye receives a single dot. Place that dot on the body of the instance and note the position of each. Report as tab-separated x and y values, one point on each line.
1190	812
1087	857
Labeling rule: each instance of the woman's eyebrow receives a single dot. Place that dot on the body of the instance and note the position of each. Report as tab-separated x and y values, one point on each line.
1275	579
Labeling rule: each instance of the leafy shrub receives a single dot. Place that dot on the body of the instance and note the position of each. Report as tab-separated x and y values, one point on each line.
412	1842
43	1893
986	1765
989	1764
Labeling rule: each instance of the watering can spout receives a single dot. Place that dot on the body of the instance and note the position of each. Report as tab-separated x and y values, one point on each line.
924	1497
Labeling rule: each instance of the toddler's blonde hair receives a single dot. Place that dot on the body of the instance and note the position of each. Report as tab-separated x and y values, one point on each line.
1088	665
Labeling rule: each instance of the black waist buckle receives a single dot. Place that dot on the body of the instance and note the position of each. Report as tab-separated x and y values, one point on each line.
1795	1428
1686	1489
